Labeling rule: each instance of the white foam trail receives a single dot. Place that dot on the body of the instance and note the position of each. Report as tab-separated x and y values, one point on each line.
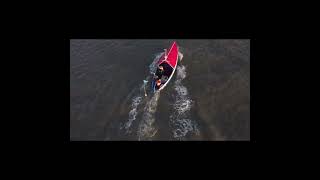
133	112
146	129
179	120
138	99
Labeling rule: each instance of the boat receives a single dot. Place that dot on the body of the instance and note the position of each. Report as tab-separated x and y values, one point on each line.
169	62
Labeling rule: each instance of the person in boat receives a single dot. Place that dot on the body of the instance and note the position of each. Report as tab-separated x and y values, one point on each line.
159	73
158	84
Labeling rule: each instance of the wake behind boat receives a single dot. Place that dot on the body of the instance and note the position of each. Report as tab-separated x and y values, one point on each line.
166	65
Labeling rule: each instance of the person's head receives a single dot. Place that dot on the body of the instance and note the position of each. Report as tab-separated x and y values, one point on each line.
161	68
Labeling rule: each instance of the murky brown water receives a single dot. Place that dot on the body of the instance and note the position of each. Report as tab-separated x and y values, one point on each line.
207	99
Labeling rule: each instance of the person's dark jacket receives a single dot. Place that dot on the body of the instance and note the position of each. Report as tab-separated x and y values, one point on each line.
159	73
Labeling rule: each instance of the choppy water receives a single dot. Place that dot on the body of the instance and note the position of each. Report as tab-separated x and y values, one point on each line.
207	99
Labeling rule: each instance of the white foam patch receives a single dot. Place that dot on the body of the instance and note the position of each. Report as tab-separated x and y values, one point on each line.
183	105
183	127
181	90
181	72
146	128
180	55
